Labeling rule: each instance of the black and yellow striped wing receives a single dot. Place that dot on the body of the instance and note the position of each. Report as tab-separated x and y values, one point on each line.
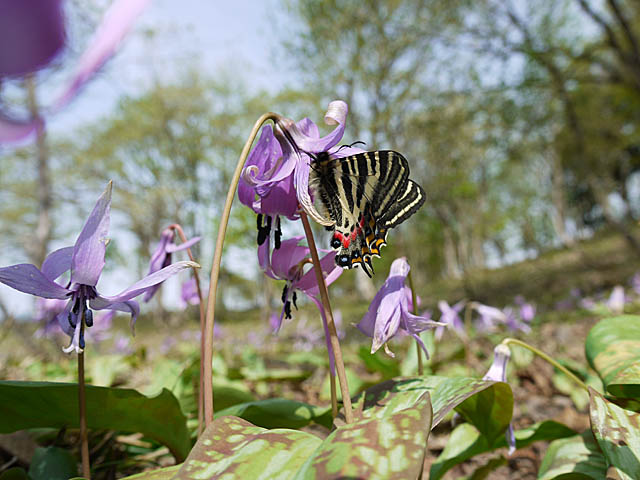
365	194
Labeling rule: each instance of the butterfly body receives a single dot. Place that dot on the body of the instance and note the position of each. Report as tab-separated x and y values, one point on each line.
365	195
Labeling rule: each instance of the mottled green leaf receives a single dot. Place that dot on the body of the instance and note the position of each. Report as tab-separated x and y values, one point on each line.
279	413
613	350
618	433
55	405
385	442
491	413
167	473
573	458
466	442
232	448
52	463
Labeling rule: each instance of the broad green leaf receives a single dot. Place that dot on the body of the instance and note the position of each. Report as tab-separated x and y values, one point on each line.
279	413
466	442
573	458
387	441
15	473
386	366
52	463
232	448
167	473
618	433
55	405
613	350
491	413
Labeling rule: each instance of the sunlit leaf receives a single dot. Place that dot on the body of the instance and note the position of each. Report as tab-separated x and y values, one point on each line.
386	441
574	458
618	433
55	405
613	350
466	442
234	449
279	413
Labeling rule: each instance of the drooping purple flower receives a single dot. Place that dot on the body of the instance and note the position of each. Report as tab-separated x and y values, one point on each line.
32	33
513	322
616	300
450	317
635	283
161	256
498	373
389	311
189	294
275	168
85	261
488	316
287	263
527	309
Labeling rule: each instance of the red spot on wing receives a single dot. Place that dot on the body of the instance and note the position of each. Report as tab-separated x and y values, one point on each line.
344	240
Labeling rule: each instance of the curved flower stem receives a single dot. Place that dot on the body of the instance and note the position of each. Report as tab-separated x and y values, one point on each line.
215	268
178	228
544	356
333	334
414	301
82	407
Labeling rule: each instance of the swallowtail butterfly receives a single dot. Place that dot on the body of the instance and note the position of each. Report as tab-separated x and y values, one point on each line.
365	194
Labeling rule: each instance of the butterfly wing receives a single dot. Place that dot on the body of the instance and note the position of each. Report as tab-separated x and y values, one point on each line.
364	194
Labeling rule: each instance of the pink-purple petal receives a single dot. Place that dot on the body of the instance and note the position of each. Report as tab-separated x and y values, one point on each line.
15	130
57	263
141	286
31	35
172	247
27	278
90	248
117	22
287	256
330	272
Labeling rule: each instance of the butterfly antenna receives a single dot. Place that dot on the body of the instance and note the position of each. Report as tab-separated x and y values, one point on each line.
359	142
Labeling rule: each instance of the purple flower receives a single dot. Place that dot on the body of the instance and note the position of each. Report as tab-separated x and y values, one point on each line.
161	257
47	310
450	317
32	33
275	167
287	263
488	316
616	300
189	294
498	373
389	311
85	261
635	283
513	322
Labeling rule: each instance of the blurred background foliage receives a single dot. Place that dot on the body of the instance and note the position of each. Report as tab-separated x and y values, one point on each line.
520	119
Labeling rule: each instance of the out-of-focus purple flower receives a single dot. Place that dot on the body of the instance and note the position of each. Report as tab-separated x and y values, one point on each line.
161	256
102	323
47	310
635	283
122	345
189	294
85	260
498	373
513	322
32	33
587	303
389	311
527	309
450	317
488	316
616	300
